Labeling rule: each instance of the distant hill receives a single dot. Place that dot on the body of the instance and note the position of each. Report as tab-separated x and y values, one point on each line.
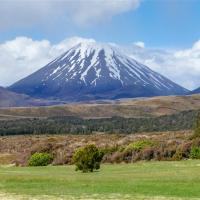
148	107
196	91
12	99
122	116
92	71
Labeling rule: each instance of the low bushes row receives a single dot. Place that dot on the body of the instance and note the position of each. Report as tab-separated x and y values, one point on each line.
149	150
89	157
86	159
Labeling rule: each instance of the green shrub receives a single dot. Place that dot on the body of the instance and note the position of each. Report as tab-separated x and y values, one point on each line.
87	158
195	152
40	159
139	145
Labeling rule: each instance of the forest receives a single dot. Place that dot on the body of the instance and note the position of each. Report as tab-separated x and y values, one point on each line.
73	125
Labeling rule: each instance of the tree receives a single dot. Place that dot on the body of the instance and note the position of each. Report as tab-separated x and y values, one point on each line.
87	158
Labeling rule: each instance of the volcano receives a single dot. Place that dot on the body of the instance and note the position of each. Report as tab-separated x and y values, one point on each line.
93	71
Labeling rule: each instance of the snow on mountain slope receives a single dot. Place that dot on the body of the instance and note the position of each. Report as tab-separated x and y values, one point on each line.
92	70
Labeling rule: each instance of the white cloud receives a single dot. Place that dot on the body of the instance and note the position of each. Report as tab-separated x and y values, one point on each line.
181	66
23	13
97	10
22	56
139	44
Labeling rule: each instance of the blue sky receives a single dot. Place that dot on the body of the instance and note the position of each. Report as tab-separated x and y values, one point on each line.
158	23
33	32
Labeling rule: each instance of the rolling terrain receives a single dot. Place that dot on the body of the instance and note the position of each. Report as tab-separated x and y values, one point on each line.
128	108
171	113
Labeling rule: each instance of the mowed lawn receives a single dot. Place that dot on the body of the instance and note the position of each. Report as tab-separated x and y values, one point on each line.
143	180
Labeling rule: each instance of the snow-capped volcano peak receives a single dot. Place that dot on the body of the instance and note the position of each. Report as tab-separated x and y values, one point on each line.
96	70
87	56
99	58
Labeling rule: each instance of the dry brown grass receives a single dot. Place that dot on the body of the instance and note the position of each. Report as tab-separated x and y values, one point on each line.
155	106
7	158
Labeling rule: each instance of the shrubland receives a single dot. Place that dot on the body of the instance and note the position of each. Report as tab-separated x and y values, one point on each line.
116	148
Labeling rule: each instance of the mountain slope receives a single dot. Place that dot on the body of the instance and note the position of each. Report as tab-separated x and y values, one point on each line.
90	71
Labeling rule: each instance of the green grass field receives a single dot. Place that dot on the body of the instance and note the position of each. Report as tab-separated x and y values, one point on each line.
143	180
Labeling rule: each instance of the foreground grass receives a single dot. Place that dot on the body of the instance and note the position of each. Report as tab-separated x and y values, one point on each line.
143	180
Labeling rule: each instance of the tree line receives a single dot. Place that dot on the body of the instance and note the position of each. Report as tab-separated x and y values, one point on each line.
74	125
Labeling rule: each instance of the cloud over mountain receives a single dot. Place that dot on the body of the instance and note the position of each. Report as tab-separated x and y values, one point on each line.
22	56
182	66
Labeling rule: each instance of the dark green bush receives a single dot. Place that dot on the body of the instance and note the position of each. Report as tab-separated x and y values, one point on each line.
87	158
40	159
195	152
